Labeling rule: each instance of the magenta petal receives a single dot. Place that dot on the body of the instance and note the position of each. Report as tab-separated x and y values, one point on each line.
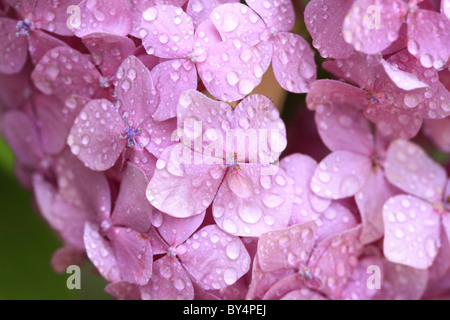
64	71
412	231
182	187
15	89
169	281
341	174
109	16
100	253
123	291
100	149
287	248
108	51
324	19
343	127
200	10
14	49
241	69
433	47
439	132
214	258
132	209
67	256
410	169
40	42
279	15
53	17
167	32
369	35
134	255
171	79
175	231
255	200
239	22
293	62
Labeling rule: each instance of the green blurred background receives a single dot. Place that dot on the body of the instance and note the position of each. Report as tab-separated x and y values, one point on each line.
27	245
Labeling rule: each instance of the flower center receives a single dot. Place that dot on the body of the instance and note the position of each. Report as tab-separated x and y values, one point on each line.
131	133
24	27
232	163
172	252
306	273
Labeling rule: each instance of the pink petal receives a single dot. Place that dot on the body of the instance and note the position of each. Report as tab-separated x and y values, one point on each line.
53	17
14	52
357	288
100	253
167	32
132	208
432	48
288	287
344	127
410	169
161	133
175	231
180	187
293	62
44	194
239	22
200	10
109	16
288	248
260	202
64	71
40	42
169	281
405	218
336	219
370	200
108	51
215	259
15	88
334	260
16	125
233	70
123	291
441	264
159	246
171	79
439	132
341	174
324	19
445	8
276	14
369	35
403	80
134	255
99	150
206	36
67	256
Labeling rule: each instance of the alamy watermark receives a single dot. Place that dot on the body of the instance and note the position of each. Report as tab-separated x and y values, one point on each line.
74	20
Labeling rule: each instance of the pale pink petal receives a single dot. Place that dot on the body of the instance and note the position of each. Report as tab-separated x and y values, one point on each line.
357	288
432	47
410	169
108	51
279	15
200	10
371	26
370	200
445	8
236	21
14	49
161	133
344	127
132	208
44	194
334	260
324	19
341	174
167	32
40	42
169	281
134	255
288	248
215	259
293	62
205	37
175	231
303	294
403	80
254	200
411	234
109	16
171	79
64	71
287	287
67	256
100	149
441	264
336	219
446	224
232	69
439	132
100	253
123	291
181	186
53	17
